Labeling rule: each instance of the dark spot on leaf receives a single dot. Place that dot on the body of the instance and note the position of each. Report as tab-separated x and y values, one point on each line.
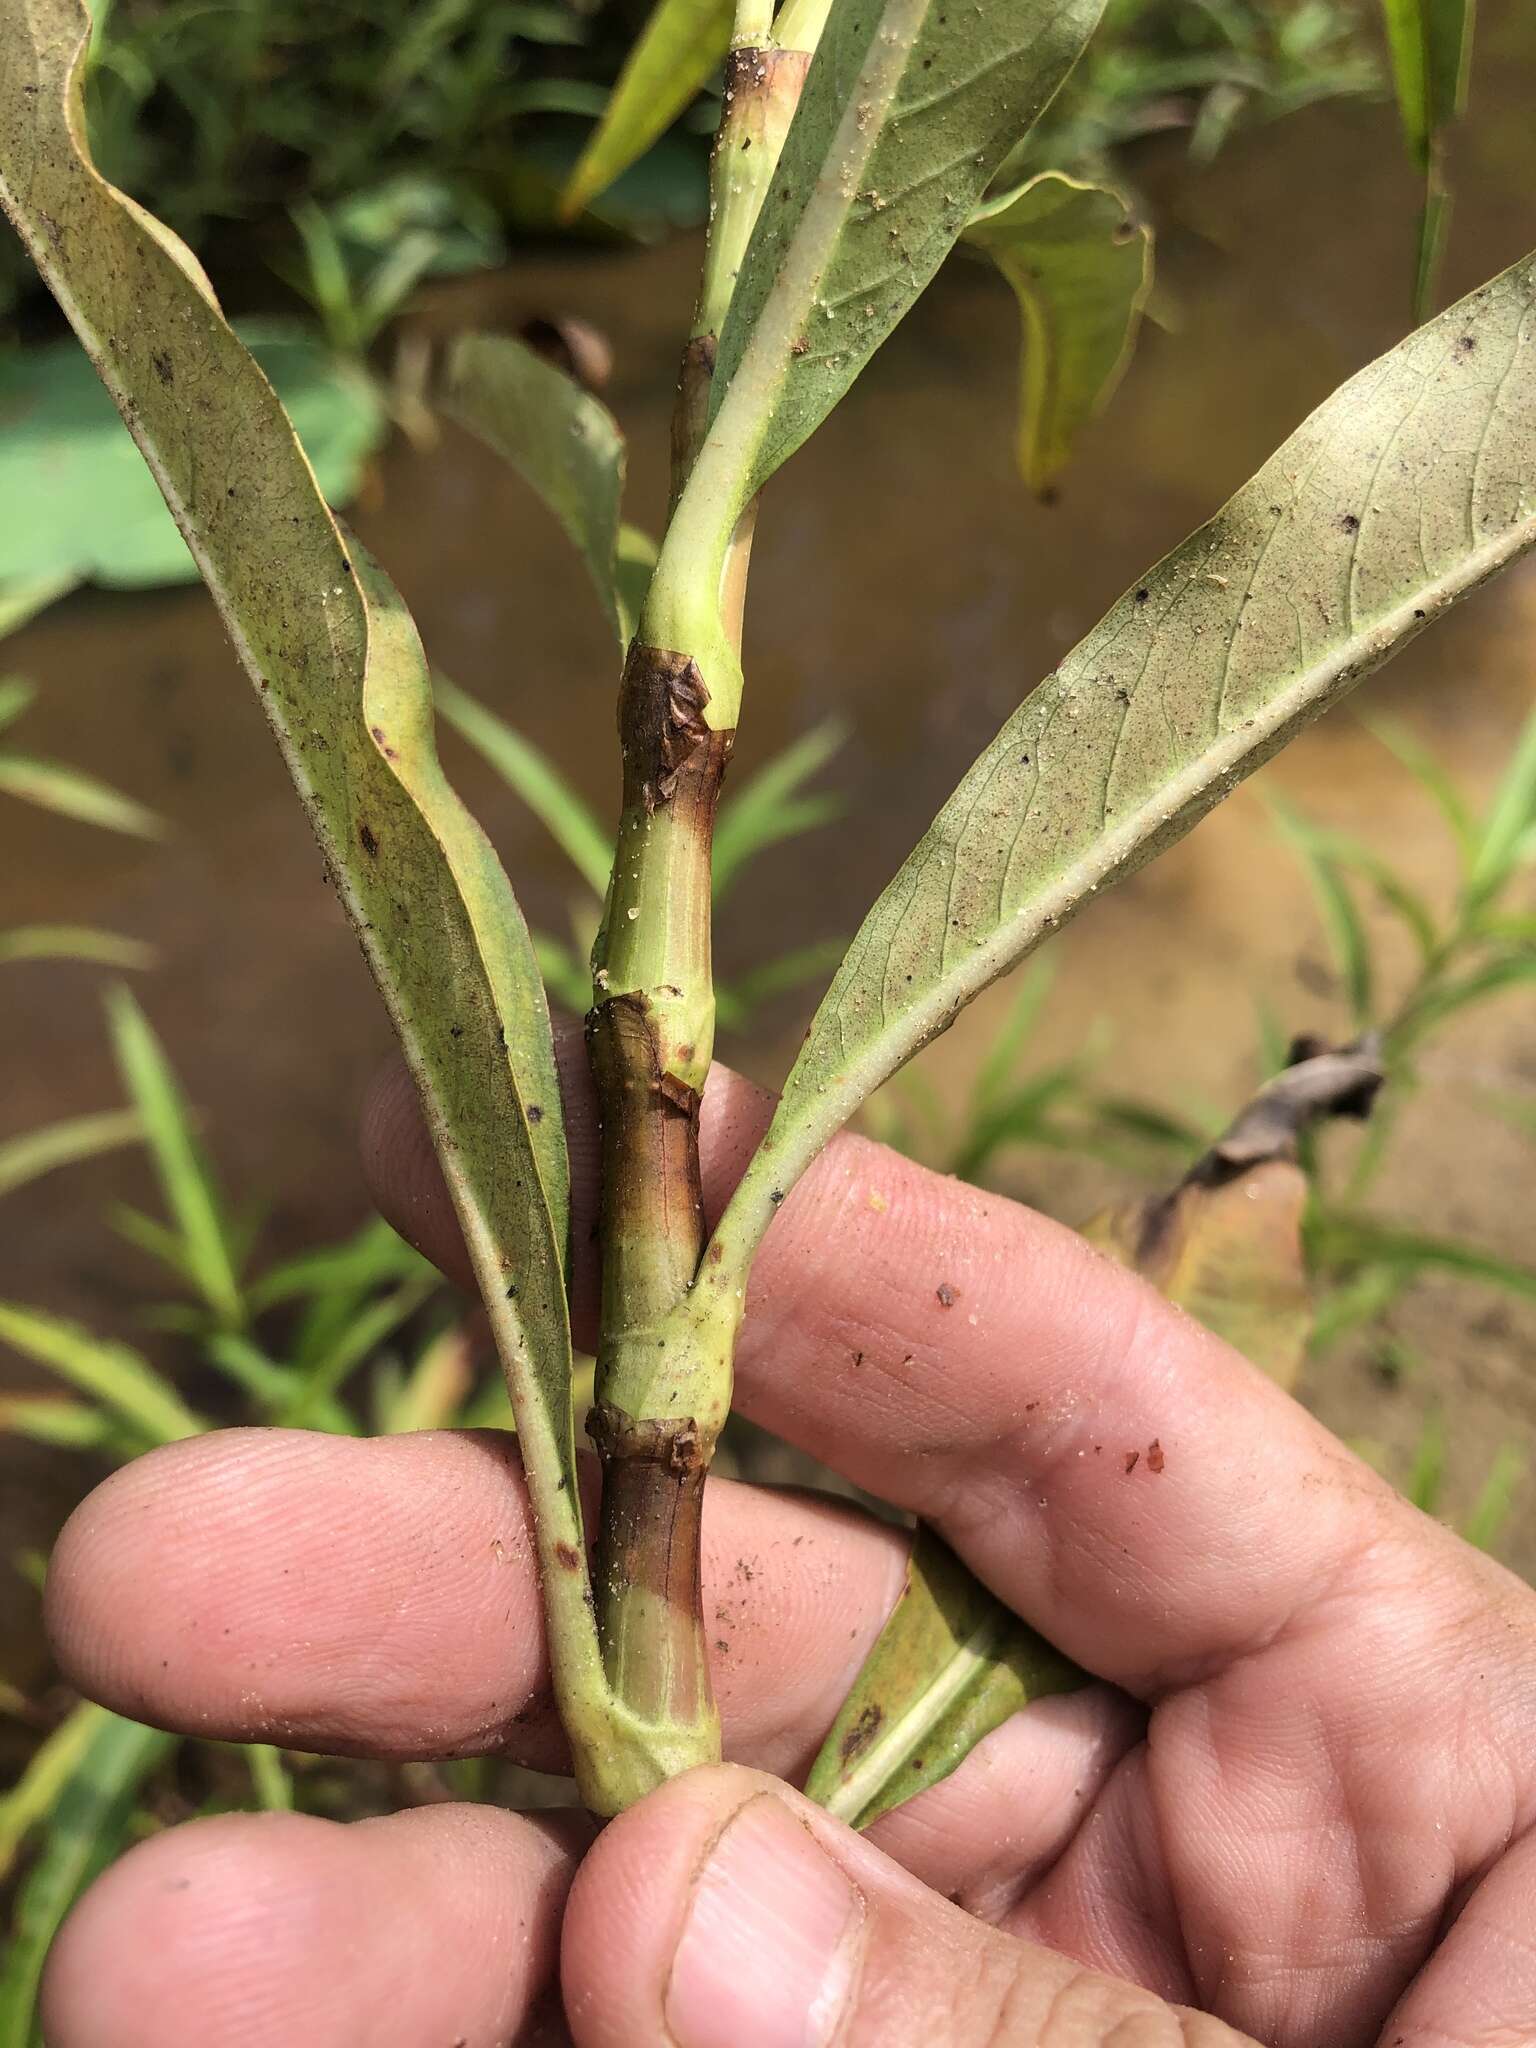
1418	615
161	364
1130	1460
863	1732
370	844
535	1113
1467	344
775	1195
512	1292
1154	1456
346	566
1142	596
568	1557
1350	523
946	1294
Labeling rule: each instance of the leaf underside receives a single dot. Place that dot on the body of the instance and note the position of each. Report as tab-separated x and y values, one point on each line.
340	673
1409	487
905	117
950	1665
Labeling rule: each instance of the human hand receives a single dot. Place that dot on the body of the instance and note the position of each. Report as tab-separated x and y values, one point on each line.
1300	1799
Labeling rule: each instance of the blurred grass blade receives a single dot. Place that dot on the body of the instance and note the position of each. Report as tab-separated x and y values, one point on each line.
1080	268
113	1374
84	1831
269	1777
436	1387
680	48
1342	850
53	787
738	1001
74	942
339	670
771	805
1346	929
352	1348
16	696
185	1178
49	1769
372	1256
1240	637
70	1425
1443	999
1431	43
22	601
951	1664
559	808
65	1143
1342	1237
1490	1512
568	979
1020	1019
1426	1481
563	443
1429	772
1510	818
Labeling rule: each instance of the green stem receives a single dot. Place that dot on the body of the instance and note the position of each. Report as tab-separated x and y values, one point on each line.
663	1370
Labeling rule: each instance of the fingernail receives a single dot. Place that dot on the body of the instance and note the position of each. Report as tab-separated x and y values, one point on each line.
769	1952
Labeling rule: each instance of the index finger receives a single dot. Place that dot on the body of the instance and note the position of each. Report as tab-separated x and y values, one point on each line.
1136	1490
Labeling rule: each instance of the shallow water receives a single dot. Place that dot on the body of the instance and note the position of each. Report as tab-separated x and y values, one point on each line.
903	579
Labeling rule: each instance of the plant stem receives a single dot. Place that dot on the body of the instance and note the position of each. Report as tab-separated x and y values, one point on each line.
663	1371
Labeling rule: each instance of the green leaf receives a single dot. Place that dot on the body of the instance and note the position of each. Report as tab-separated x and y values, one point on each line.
559	808
1490	1512
185	1178
434	1390
78	503
74	942
679	50
1443	999
120	1378
908	109
1081	269
1407	489
49	1769
74	1138
340	672
738	1001
951	1664
562	442
352	1348
85	1825
1343	850
771	806
53	787
1345	1237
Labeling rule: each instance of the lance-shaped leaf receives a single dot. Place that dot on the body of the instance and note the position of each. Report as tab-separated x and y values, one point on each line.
341	676
66	1143
1408	488
561	440
53	787
950	1665
1226	1243
680	47
909	108
1080	268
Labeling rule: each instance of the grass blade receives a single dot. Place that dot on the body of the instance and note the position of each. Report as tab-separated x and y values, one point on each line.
559	808
65	1143
53	787
185	1179
771	805
74	942
114	1374
86	1824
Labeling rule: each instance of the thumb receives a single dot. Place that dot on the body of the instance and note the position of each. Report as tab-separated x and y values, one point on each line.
726	1911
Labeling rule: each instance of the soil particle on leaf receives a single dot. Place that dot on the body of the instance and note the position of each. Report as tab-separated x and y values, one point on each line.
1154	1456
1131	1458
946	1294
